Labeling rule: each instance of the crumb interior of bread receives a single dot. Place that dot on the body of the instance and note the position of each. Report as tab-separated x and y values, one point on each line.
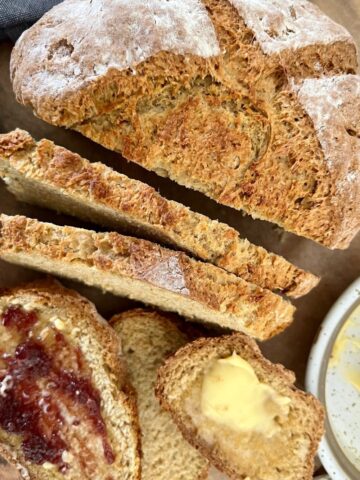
251	454
146	342
180	227
85	454
175	226
133	289
45	195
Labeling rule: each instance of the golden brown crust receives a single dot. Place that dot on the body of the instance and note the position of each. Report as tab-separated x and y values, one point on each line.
236	114
48	293
216	296
142	209
271	373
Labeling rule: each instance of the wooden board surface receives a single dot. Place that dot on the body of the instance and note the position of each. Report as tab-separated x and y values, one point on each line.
337	269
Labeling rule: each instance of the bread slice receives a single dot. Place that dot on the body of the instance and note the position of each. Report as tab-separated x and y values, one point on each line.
146	272
66	408
256	107
147	339
287	455
48	175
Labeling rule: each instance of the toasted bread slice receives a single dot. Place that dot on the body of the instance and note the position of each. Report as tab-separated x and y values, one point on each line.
45	174
287	455
147	339
66	409
144	271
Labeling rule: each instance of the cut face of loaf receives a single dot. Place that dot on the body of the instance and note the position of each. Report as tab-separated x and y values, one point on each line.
146	272
51	176
147	339
258	120
287	455
66	408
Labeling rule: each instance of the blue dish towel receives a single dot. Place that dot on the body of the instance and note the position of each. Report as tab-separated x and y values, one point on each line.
18	15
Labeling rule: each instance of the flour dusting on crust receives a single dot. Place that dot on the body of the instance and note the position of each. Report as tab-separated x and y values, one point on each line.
80	40
333	104
161	269
282	24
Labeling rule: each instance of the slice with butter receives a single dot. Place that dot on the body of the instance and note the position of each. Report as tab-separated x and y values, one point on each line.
240	410
232	395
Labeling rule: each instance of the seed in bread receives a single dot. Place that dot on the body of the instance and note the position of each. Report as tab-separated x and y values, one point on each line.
67	410
144	271
147	339
251	103
48	175
281	448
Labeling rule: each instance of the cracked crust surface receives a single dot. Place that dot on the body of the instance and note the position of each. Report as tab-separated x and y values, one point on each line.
100	346
49	175
146	272
254	141
290	454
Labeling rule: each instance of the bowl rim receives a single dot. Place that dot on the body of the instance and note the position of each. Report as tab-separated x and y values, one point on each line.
331	455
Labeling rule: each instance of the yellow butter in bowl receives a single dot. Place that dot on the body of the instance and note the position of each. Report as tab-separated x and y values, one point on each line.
233	396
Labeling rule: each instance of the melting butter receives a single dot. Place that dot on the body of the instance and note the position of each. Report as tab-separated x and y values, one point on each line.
232	395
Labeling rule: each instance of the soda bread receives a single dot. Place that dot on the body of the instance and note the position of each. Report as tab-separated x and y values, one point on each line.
67	410
287	455
144	271
147	339
51	176
252	103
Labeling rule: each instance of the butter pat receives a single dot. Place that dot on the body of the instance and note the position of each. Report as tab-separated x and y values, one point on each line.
232	395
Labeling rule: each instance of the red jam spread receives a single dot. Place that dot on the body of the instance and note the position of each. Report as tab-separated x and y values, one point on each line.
32	384
16	317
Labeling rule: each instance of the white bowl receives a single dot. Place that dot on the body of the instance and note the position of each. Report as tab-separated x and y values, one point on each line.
327	378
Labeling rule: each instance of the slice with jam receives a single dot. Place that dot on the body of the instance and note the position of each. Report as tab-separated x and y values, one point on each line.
64	407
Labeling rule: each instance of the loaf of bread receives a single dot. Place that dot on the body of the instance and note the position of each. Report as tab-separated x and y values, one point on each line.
144	271
288	454
48	175
147	339
252	103
67	410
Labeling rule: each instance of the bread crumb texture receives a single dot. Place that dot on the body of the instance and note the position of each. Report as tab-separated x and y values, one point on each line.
147	339
51	176
146	272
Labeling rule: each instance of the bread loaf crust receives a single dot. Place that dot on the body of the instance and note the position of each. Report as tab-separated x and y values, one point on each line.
152	274
238	114
34	171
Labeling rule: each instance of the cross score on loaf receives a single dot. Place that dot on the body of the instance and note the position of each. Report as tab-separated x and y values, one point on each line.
254	104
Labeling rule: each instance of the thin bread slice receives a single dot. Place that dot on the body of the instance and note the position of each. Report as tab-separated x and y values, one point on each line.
144	271
45	174
286	455
147	339
66	408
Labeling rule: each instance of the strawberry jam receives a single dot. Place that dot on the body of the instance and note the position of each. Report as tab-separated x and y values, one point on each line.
33	387
17	317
